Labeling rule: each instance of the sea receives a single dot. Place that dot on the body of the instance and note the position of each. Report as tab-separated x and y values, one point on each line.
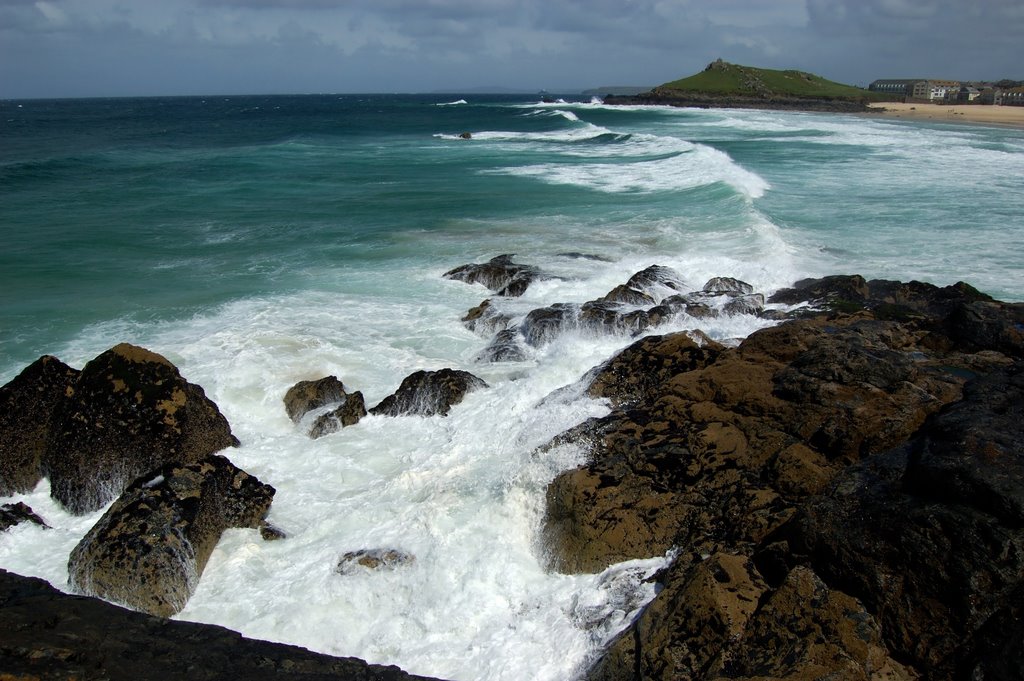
264	240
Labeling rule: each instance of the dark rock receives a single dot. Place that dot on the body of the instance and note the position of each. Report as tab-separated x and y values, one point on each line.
636	373
584	256
720	285
426	393
373	559
269	532
129	411
840	291
26	407
348	413
51	635
601	317
627	295
504	347
14	514
306	396
150	547
750	303
466	136
656	277
500	275
933	541
543	325
485	320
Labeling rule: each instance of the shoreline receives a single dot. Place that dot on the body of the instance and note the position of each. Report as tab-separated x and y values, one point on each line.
974	114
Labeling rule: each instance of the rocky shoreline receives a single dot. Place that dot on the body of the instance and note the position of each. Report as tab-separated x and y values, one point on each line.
658	97
843	492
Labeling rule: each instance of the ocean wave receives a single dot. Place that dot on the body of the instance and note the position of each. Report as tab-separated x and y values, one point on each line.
455	103
700	165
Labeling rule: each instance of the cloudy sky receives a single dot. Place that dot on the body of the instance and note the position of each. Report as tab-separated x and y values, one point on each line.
68	48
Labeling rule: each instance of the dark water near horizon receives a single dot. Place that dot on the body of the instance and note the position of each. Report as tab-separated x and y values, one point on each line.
258	241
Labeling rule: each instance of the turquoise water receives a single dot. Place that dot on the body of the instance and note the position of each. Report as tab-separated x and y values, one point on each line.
259	241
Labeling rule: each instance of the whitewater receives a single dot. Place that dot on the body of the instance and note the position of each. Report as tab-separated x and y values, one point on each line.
256	242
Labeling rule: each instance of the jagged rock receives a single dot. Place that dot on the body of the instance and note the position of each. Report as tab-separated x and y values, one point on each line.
51	635
656	278
931	535
502	276
504	347
26	407
14	514
348	413
717	618
150	547
635	374
720	285
128	411
598	316
307	396
485	320
426	393
627	295
751	303
543	325
789	454
373	559
270	532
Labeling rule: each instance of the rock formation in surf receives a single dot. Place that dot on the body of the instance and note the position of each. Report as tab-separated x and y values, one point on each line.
842	491
150	548
92	432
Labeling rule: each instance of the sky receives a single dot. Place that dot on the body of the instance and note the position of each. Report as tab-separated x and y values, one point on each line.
79	48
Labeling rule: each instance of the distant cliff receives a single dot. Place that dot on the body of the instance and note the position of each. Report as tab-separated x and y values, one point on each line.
727	85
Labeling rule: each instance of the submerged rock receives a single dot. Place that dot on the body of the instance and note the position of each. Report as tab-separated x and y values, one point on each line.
127	412
428	393
348	413
150	547
27	404
484	319
373	559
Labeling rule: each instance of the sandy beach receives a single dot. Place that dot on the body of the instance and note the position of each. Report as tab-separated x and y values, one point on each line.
952	113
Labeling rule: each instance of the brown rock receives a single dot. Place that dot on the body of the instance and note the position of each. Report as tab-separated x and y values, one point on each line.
306	396
129	411
348	413
149	549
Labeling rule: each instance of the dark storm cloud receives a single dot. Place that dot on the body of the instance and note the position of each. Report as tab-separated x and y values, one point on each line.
76	47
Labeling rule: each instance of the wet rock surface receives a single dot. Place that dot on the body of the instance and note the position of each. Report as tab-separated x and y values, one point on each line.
50	635
308	396
126	412
27	404
373	559
17	513
500	274
429	393
844	490
149	549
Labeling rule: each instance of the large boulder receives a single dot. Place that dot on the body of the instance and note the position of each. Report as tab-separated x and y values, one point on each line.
51	635
149	549
27	404
427	393
128	411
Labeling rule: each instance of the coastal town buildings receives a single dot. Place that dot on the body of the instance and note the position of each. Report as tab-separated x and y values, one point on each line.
948	92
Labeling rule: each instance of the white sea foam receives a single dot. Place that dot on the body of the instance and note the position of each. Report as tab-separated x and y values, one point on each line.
455	103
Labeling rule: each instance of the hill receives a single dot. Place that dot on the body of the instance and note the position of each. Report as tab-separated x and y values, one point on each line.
722	84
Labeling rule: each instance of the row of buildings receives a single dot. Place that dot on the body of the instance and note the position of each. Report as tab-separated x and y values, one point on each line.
949	92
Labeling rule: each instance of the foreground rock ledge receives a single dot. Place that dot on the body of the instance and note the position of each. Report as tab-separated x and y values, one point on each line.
844	491
51	635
